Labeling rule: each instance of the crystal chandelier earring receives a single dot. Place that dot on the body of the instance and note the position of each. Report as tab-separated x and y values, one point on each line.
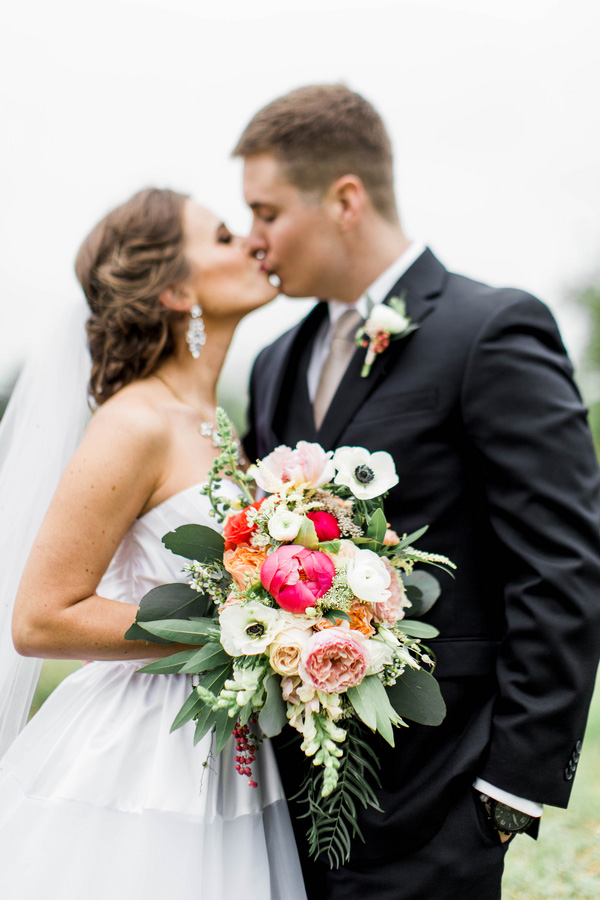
196	336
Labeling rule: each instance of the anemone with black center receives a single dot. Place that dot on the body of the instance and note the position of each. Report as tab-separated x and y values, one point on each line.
256	629
363	474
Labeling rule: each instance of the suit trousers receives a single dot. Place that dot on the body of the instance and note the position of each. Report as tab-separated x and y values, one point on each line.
464	860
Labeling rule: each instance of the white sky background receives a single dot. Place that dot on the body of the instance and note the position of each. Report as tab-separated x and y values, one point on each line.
492	107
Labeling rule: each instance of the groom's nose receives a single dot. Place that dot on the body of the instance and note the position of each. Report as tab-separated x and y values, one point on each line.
257	242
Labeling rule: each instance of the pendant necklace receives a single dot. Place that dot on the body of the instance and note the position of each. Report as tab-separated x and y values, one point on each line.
207	429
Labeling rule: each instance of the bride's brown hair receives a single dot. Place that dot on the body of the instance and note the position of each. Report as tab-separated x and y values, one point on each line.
133	255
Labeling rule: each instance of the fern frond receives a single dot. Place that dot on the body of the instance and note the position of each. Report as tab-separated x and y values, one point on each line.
333	819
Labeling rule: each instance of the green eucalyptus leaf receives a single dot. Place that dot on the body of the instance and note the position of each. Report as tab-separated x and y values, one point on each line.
194	631
224	725
204	722
196	542
192	706
207	657
170	665
272	716
167	601
332	615
423	590
416	629
360	698
374	705
216	678
417	696
377	527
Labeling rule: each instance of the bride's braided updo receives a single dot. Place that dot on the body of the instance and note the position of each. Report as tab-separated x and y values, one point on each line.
133	255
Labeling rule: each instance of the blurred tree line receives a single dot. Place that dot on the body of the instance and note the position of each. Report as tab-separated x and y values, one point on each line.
589	372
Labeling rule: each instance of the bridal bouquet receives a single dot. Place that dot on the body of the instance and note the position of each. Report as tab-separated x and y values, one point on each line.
303	611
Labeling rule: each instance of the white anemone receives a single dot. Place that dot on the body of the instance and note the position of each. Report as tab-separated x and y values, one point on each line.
367	474
247	629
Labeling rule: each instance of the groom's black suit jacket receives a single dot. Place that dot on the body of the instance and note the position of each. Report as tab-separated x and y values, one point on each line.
492	448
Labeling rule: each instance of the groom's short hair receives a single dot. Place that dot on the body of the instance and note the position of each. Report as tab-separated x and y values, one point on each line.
321	132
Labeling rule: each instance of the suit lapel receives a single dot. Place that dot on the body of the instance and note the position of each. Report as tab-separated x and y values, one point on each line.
420	284
283	352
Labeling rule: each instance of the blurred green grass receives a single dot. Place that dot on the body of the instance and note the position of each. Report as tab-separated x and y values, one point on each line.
563	864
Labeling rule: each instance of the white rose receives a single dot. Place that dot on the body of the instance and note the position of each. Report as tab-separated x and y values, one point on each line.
284	525
248	629
384	318
368	577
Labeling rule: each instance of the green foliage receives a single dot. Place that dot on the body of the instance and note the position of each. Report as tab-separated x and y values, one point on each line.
196	542
416	696
376	530
422	589
194	631
372	705
272	716
589	374
332	819
416	629
167	601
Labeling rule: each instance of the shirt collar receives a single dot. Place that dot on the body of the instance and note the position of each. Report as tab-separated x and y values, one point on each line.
382	285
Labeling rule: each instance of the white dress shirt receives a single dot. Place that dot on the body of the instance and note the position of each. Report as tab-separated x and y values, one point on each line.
377	292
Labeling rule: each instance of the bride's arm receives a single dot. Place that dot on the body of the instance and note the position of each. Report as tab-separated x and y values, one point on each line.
108	483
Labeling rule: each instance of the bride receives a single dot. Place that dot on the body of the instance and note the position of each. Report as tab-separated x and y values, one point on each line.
97	798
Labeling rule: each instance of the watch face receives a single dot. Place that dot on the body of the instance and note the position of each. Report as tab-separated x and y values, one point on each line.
508	819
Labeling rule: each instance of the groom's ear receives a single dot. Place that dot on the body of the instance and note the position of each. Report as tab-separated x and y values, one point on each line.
347	198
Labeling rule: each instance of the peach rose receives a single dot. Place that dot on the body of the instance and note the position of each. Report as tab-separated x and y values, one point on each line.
391	610
334	660
244	564
360	620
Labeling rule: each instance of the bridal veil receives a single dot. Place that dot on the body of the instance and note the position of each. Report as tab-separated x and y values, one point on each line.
42	426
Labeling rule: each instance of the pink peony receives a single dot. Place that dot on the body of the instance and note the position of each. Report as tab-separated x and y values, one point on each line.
326	525
308	464
297	577
334	660
391	609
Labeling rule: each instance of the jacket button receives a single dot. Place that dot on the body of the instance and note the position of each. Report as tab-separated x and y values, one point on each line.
568	774
578	746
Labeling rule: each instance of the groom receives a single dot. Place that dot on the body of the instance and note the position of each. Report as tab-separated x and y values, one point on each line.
478	408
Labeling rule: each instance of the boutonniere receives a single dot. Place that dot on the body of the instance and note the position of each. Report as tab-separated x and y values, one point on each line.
386	322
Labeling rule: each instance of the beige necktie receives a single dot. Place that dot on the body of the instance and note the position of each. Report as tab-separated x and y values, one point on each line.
341	351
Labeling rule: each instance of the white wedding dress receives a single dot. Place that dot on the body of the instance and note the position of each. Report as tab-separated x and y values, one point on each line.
98	800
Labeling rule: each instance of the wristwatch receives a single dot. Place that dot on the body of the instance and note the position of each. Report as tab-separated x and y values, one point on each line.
506	818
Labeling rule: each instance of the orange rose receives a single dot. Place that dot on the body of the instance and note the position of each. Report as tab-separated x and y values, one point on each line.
360	620
244	564
237	529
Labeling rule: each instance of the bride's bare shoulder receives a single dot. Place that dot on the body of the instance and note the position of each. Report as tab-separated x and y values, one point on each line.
133	414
